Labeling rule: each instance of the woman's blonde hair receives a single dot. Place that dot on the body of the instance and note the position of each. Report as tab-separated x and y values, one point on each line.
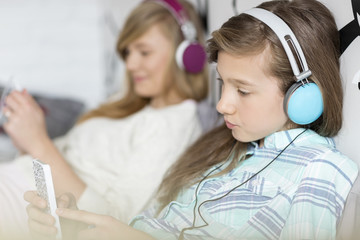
188	85
315	28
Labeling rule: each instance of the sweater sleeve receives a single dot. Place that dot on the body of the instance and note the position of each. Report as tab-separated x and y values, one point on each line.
320	198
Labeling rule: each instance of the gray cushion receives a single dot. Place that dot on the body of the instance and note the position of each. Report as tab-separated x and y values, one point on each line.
60	113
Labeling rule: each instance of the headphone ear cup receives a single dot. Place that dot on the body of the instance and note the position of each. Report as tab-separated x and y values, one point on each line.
303	103
191	56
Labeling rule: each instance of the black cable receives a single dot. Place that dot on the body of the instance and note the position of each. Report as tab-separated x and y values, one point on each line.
203	12
234	6
196	199
216	199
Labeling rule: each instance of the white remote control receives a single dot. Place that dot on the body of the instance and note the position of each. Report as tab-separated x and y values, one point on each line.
45	189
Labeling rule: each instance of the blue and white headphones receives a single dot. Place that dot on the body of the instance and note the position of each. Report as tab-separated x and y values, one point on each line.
303	102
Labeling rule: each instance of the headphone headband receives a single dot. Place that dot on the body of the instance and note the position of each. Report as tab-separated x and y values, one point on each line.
176	9
190	55
286	36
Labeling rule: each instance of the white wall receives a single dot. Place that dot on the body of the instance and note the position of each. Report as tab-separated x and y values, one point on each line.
348	139
63	48
53	47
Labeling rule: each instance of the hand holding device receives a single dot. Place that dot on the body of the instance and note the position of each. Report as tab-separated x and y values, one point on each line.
45	189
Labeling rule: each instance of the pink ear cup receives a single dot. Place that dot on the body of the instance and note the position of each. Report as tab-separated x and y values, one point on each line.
191	56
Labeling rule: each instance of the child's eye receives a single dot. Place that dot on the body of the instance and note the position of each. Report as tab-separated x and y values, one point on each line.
220	81
242	92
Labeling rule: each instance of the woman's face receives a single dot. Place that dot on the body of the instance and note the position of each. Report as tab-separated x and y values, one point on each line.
148	61
251	101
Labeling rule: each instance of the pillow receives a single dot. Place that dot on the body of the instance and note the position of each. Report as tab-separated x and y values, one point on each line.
60	113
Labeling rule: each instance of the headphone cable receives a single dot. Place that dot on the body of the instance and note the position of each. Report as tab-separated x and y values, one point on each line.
181	236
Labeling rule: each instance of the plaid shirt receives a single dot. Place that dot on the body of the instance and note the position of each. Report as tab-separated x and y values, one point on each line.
300	195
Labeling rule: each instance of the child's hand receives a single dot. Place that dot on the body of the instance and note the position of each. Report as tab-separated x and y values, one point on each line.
75	224
98	226
101	226
41	224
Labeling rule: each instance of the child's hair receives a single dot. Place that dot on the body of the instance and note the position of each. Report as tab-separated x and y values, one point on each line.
315	29
188	85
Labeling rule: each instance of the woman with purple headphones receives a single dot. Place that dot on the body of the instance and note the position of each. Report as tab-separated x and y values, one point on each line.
115	157
272	171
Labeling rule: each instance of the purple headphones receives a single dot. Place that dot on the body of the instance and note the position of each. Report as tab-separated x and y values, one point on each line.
190	55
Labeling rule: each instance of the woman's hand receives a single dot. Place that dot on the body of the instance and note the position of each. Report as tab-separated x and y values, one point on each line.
27	128
42	225
26	122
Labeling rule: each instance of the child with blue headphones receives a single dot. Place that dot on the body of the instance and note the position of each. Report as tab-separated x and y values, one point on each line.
272	170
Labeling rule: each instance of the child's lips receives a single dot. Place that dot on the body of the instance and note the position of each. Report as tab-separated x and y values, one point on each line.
229	124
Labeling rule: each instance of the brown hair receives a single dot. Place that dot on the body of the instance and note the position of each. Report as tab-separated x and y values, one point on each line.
315	28
145	15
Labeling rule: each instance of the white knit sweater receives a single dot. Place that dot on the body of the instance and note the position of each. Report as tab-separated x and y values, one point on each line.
123	161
